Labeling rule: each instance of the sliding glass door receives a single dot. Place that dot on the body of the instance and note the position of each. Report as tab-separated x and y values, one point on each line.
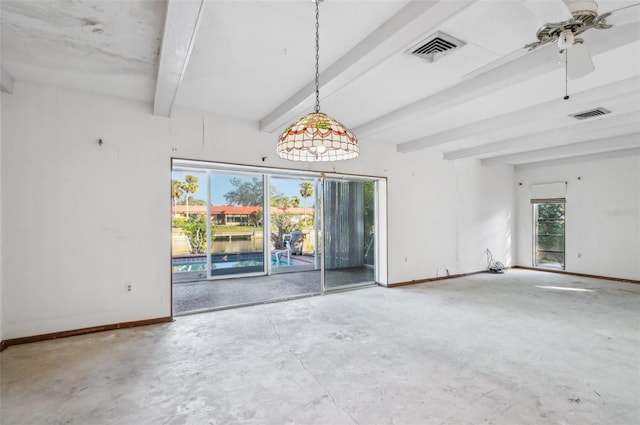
189	224
237	225
294	224
217	224
244	235
349	232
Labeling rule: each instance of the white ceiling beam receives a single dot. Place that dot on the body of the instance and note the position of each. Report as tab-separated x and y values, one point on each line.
581	158
180	29
593	129
625	141
417	19
539	61
6	82
531	65
629	87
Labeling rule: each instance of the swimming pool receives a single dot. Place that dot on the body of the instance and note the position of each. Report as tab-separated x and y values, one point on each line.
231	263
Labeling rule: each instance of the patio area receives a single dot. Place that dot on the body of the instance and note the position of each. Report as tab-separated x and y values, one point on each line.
203	295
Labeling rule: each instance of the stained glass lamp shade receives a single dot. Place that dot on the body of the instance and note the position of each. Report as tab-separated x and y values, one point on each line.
317	137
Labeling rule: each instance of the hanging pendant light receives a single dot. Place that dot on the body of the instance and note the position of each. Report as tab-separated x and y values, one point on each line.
317	136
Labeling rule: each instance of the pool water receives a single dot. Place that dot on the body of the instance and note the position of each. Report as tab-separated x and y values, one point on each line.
222	262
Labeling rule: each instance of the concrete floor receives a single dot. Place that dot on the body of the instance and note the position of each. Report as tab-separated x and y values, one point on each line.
490	349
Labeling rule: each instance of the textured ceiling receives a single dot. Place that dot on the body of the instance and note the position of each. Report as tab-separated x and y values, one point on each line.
489	99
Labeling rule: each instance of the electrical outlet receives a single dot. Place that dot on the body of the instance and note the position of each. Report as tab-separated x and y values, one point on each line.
128	286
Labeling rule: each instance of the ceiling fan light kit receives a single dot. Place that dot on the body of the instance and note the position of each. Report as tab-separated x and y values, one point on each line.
584	16
566	39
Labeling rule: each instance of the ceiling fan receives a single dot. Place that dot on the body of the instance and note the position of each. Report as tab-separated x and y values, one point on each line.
577	17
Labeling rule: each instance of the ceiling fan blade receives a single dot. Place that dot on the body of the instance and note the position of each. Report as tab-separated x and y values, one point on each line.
548	11
579	61
622	16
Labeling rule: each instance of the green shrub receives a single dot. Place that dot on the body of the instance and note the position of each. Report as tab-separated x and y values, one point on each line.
195	229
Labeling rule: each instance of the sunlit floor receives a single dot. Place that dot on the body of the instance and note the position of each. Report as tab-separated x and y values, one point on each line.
523	347
211	294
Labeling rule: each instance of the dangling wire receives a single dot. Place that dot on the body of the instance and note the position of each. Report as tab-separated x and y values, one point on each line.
492	265
317	108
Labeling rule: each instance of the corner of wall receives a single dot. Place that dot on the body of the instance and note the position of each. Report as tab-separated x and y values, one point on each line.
1	240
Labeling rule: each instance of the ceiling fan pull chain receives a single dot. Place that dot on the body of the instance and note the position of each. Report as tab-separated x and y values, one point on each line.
566	72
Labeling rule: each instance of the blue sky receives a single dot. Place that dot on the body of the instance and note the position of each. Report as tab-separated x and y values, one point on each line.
220	185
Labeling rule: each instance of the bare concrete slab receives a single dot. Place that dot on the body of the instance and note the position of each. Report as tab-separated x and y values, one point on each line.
524	347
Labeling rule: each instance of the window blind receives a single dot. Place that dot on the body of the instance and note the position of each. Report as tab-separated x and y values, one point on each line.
548	193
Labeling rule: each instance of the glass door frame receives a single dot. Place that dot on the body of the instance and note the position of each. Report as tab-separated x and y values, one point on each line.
379	240
380	213
265	242
317	180
536	203
208	171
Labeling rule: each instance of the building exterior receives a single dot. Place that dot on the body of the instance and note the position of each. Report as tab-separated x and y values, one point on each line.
224	215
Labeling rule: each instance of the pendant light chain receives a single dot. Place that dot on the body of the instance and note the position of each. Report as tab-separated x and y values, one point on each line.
317	108
316	136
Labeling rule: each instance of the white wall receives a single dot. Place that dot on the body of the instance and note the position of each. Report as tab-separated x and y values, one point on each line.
443	216
1	237
602	214
81	219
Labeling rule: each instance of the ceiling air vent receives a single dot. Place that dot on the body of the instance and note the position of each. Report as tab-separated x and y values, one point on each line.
591	113
435	47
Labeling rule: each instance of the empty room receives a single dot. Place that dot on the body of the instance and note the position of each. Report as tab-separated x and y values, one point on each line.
320	212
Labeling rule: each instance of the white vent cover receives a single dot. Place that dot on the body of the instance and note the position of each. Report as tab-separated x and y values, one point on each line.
591	113
435	46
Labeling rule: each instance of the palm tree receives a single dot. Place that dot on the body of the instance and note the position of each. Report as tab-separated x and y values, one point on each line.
176	192
306	191
190	186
